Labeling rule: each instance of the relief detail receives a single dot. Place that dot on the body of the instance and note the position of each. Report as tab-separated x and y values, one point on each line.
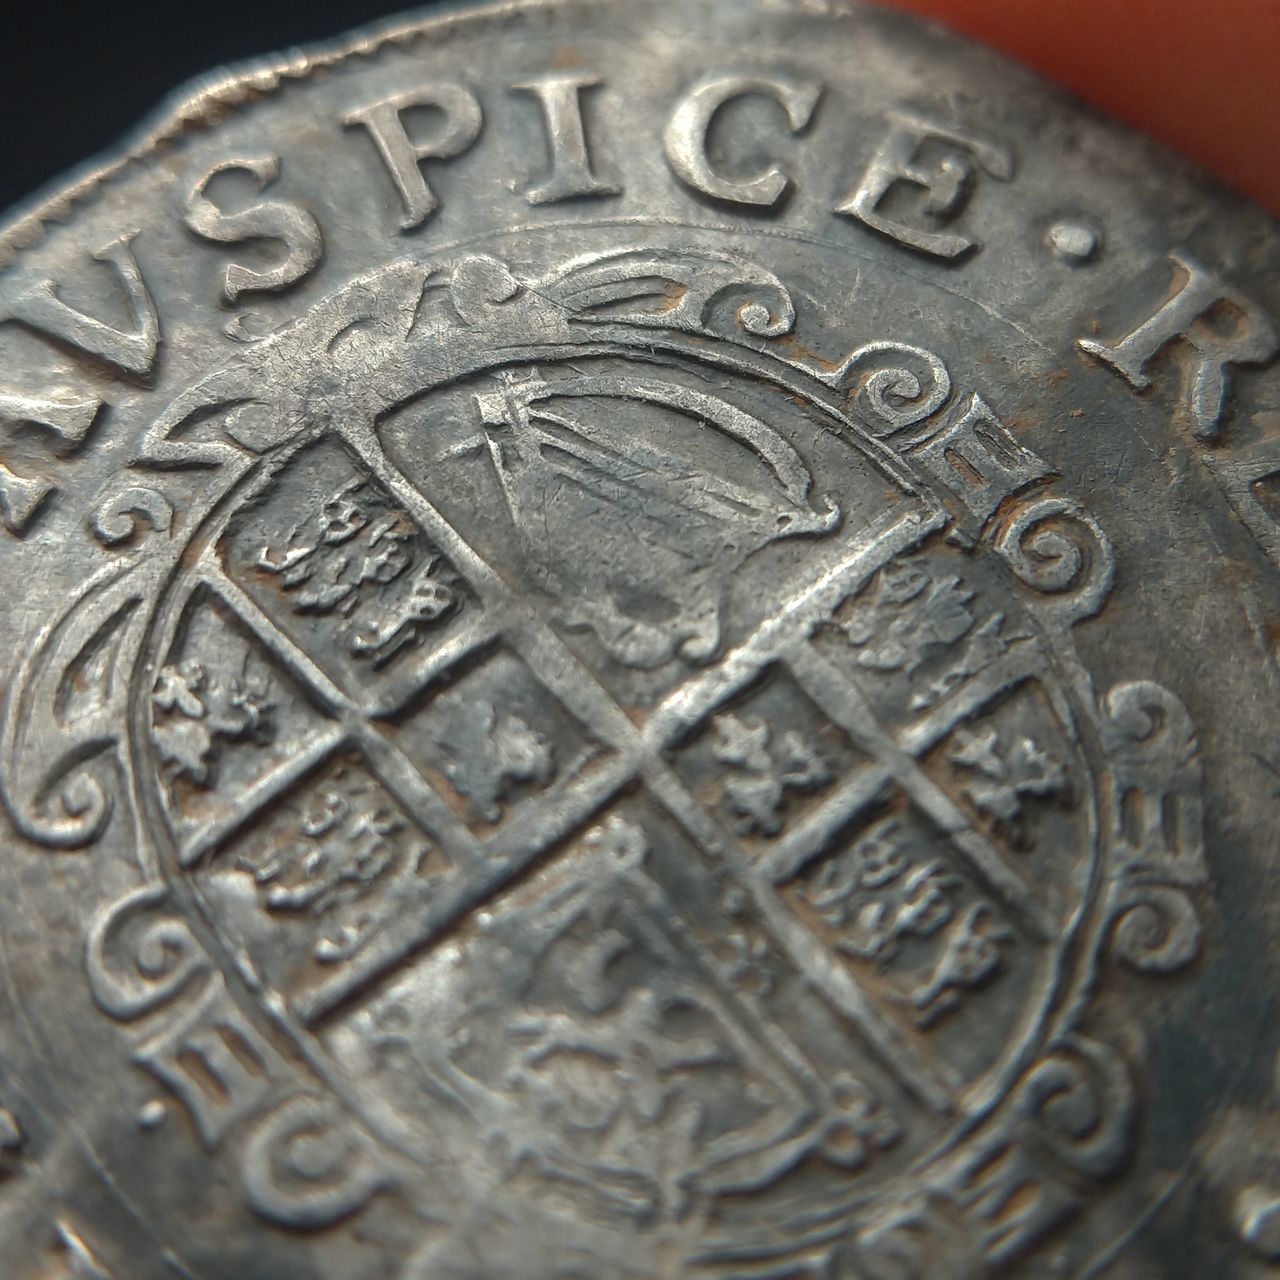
650	765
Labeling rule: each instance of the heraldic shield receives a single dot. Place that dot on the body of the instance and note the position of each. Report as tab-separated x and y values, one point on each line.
591	736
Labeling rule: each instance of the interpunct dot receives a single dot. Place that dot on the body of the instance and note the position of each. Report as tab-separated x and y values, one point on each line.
152	1115
1074	242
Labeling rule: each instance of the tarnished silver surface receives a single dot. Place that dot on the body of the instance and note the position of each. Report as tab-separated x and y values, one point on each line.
641	641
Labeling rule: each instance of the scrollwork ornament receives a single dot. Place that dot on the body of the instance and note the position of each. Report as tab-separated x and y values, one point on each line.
893	386
126	517
67	708
1080	1102
503	553
1059	550
307	1168
71	809
1156	928
64	714
690	292
1156	827
140	955
306	1165
1148	733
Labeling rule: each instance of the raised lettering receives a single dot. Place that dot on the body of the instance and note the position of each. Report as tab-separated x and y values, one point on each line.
278	220
130	351
1243	476
20	498
1189	316
947	182
686	135
69	420
572	174
385	121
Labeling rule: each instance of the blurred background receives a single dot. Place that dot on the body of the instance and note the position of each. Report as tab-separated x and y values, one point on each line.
77	74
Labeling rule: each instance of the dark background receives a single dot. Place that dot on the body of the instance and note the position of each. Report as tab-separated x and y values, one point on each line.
77	75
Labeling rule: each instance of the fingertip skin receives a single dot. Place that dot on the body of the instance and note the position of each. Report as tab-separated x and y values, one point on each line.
1199	74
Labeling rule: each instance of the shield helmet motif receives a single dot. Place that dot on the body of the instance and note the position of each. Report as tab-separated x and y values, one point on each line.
582	725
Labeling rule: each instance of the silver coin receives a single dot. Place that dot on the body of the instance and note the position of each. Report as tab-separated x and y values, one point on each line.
641	641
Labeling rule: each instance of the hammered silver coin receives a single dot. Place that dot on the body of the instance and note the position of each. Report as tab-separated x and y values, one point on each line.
641	641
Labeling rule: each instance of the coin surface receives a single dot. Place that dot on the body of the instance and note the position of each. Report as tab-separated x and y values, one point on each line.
642	641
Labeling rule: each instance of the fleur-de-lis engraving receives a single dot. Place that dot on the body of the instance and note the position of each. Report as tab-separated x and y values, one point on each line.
762	772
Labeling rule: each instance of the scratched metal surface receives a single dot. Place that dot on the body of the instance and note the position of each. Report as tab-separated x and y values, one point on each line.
640	641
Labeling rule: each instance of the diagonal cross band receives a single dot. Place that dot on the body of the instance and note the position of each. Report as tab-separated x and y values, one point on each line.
636	755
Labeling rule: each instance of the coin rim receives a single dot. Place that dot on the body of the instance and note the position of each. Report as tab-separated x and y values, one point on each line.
207	99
